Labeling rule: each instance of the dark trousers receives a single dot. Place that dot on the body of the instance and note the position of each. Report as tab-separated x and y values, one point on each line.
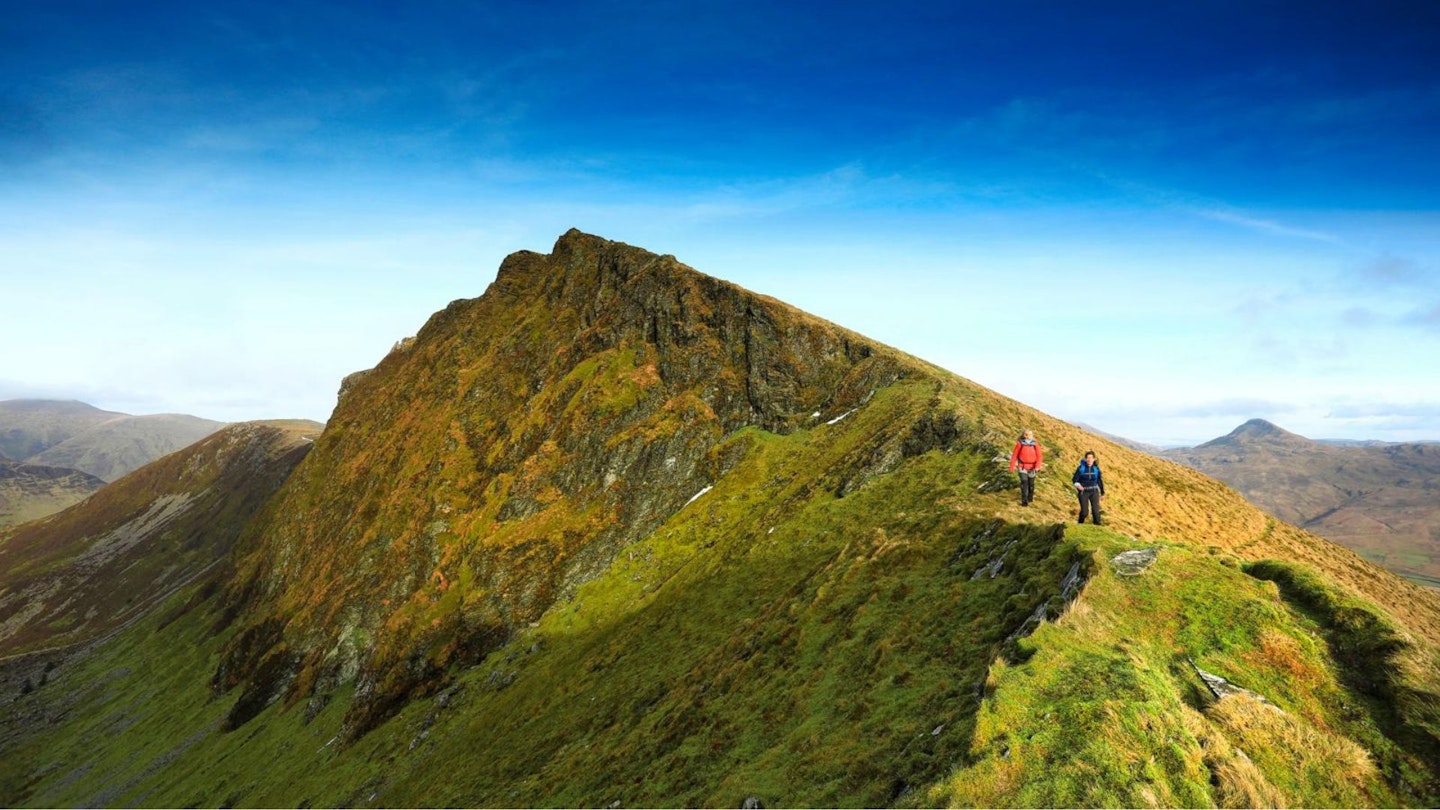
1027	486
1090	504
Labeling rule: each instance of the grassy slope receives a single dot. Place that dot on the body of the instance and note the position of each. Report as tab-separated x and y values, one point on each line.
1108	710
834	661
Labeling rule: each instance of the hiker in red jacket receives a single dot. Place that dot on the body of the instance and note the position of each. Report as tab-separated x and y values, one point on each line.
1027	459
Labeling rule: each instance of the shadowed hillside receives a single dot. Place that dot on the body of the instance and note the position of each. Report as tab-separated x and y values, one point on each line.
29	491
618	533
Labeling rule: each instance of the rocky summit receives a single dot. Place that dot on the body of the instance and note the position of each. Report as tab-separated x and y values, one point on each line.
618	533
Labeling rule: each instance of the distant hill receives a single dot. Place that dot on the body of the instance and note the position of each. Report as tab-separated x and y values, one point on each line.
117	446
1380	499
59	449
1142	447
31	426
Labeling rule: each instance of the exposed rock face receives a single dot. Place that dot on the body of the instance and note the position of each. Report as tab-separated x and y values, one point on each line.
510	450
1222	688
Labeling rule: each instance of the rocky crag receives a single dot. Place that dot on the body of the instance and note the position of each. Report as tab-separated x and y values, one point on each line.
618	533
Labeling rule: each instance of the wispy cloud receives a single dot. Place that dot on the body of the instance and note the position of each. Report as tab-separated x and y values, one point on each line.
1390	420
1259	224
849	185
1370	409
1389	270
1427	318
1232	406
1211	209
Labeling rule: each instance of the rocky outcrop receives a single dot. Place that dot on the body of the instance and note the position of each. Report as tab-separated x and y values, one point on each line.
1134	563
1221	688
509	451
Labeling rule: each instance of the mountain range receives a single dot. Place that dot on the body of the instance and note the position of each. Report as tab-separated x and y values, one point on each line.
619	533
54	453
1380	499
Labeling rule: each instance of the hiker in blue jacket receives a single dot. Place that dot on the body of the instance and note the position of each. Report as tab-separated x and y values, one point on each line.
1090	486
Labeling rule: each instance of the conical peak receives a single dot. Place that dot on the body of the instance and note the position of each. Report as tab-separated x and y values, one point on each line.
1256	425
1255	430
1261	428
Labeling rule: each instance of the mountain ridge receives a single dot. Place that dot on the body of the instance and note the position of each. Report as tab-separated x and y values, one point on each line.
116	446
627	318
617	531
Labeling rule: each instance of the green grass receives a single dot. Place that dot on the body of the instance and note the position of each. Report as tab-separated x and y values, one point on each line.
1109	712
482	588
773	639
716	659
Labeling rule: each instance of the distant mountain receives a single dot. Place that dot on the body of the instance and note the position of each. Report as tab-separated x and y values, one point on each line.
31	426
1258	431
30	491
1380	499
59	449
76	575
116	446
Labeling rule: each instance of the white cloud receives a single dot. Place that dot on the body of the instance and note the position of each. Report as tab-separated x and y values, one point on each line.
1261	224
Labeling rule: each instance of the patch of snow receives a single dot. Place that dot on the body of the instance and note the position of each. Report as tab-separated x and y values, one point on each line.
815	415
841	416
697	495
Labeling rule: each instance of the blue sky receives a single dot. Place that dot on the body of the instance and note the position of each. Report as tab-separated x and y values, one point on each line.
1157	219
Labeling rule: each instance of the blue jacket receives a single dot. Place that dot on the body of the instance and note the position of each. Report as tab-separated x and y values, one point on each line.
1088	476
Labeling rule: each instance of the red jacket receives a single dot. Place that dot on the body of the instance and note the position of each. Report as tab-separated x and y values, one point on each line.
1026	456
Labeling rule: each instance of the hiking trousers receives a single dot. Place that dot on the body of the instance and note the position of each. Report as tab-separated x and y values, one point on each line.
1027	486
1090	504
